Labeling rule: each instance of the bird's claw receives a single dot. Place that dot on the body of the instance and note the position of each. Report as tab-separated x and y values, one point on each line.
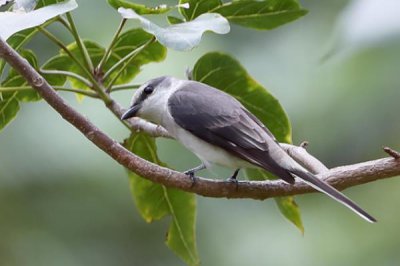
192	177
233	179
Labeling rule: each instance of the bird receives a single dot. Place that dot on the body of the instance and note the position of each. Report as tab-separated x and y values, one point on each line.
218	129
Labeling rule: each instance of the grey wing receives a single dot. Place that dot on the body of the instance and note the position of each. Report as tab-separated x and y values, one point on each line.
221	120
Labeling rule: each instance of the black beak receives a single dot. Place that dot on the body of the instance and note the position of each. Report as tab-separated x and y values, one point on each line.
131	112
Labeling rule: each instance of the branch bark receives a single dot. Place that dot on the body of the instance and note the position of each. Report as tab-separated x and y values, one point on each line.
340	177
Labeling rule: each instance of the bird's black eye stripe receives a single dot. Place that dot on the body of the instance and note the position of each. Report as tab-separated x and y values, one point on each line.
148	90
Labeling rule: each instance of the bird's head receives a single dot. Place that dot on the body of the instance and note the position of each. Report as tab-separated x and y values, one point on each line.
149	100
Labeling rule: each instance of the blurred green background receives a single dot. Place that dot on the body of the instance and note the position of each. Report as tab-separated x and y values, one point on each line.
64	202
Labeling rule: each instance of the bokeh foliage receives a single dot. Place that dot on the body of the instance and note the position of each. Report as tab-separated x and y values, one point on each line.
153	200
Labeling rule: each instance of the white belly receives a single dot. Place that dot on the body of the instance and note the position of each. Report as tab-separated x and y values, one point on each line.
207	153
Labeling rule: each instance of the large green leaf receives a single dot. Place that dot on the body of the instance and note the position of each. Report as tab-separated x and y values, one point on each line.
17	40
155	201
174	20
139	8
198	7
9	102
14	79
42	3
290	209
262	15
126	43
9	108
20	38
59	62
287	205
131	40
225	73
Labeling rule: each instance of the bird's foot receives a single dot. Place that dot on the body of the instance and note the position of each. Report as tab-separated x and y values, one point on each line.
233	179
190	173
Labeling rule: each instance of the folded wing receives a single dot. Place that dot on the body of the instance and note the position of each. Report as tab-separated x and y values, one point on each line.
221	120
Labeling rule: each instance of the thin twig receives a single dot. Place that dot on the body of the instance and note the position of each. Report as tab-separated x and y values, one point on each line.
304	144
108	51
83	92
125	63
391	152
66	73
79	42
124	87
96	86
64	23
64	48
340	177
57	88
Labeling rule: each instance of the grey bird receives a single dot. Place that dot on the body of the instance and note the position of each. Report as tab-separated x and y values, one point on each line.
220	130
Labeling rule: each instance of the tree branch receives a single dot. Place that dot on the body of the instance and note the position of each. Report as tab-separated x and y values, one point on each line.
340	177
300	155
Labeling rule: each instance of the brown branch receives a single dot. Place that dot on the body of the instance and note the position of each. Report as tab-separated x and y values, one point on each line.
300	155
340	177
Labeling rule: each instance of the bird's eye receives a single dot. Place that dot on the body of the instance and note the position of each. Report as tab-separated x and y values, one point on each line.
148	90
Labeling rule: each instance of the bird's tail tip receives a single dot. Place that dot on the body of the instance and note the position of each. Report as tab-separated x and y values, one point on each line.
332	192
363	214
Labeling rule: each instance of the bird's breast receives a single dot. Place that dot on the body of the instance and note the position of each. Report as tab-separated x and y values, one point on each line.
206	152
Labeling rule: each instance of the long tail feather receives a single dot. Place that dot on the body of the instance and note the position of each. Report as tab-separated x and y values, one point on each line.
327	189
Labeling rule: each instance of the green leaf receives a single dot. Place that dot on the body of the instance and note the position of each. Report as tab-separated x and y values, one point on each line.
127	42
14	79
58	62
225	73
95	52
5	5
287	205
20	38
16	41
290	210
174	20
262	15
139	9
42	3
30	57
9	108
182	36
198	7
155	201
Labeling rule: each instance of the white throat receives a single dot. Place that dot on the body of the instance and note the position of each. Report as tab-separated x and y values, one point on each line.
155	108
